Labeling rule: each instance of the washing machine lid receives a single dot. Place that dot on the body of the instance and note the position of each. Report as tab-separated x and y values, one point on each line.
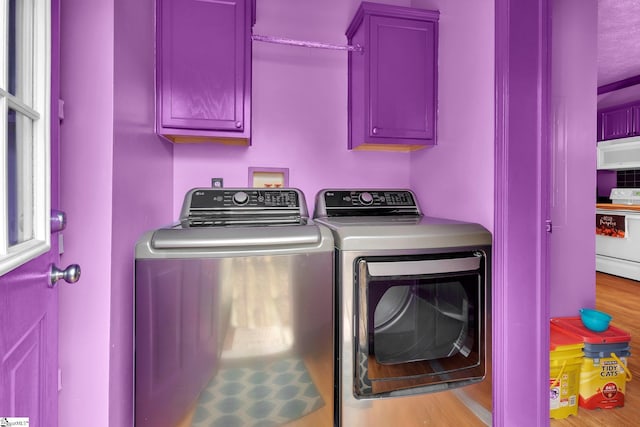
242	238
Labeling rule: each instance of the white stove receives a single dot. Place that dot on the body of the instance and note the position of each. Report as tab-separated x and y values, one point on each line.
618	234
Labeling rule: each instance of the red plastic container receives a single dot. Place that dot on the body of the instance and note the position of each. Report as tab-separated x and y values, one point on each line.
574	326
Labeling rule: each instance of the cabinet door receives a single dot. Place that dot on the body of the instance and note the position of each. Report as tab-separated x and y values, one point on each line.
402	78
635	120
615	124
202	78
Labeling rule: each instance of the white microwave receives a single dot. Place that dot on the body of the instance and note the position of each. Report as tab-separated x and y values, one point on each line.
619	154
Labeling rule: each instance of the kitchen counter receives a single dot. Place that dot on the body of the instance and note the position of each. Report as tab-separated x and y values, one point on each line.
614	207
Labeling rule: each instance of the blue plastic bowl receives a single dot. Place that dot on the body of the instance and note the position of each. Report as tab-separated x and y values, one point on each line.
594	320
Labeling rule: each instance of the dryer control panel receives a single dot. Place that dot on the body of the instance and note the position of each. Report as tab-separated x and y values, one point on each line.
366	202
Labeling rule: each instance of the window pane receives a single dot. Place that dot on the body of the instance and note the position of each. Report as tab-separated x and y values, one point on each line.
19	168
21	50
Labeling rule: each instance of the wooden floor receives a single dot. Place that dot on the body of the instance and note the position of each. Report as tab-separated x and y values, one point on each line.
442	409
620	298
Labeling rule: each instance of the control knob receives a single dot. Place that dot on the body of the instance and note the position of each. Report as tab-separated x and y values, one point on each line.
240	198
366	198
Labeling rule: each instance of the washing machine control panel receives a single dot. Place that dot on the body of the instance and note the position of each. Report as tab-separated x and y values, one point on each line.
250	198
211	207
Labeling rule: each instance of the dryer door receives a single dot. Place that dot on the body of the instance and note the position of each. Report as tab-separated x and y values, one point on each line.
420	322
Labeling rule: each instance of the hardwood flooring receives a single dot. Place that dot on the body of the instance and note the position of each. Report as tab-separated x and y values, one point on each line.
441	409
620	298
438	409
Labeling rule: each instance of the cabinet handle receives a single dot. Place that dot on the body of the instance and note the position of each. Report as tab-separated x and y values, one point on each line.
238	125
374	130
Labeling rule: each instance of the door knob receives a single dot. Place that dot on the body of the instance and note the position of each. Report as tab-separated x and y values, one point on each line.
71	274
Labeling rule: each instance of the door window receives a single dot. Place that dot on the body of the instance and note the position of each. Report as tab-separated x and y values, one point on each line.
422	320
24	131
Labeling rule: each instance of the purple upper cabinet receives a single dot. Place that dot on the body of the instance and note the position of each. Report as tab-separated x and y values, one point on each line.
635	119
619	122
204	70
393	80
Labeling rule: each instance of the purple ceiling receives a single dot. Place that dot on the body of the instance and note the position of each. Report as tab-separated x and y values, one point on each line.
618	40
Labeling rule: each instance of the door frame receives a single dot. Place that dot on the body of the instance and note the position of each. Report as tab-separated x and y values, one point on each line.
522	174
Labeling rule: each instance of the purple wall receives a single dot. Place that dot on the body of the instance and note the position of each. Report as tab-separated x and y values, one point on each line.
455	178
307	130
142	184
86	147
573	156
116	183
299	111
